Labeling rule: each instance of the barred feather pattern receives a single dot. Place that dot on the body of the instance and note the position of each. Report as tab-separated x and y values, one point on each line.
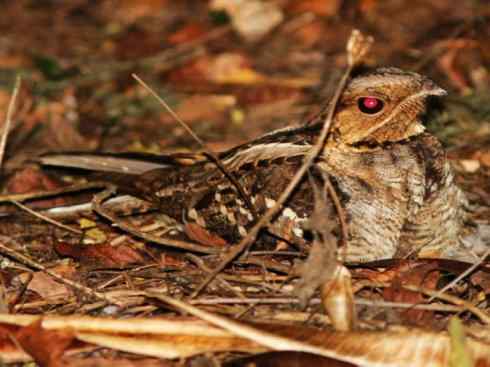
394	180
400	199
403	201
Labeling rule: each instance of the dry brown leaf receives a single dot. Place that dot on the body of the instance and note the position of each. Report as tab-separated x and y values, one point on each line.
180	337
338	300
423	275
203	236
252	19
483	156
233	68
60	121
187	33
469	165
47	287
8	349
311	33
324	8
128	11
202	107
45	347
367	6
32	179
101	254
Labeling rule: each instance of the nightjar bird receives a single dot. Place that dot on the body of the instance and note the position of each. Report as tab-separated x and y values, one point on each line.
393	178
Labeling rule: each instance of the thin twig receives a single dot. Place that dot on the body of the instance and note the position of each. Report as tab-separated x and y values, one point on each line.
355	53
208	152
45	218
317	301
8	118
465	305
460	276
453	299
260	337
8	251
45	194
200	263
100	197
339	209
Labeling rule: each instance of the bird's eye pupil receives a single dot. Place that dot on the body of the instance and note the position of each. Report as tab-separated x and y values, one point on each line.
370	104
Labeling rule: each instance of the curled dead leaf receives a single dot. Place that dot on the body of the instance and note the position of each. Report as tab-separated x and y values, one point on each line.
338	299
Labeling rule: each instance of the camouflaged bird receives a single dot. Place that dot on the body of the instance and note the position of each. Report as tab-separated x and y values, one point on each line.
393	179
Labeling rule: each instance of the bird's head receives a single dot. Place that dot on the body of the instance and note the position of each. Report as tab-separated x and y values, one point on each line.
382	106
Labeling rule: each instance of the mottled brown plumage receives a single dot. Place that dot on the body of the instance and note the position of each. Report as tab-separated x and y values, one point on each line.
393	179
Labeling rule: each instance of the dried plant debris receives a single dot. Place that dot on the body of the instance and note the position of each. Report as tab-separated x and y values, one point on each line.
92	266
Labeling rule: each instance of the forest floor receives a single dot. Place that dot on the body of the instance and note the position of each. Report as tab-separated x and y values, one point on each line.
76	60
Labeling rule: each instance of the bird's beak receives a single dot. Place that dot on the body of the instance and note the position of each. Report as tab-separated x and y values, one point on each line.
432	89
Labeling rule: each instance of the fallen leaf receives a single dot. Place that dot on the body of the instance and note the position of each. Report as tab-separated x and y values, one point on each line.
202	107
470	165
323	8
311	33
45	346
168	260
179	337
203	236
46	286
367	6
94	236
60	121
31	179
101	254
483	157
128	11
338	299
9	351
233	68
252	19
86	223
189	32
423	275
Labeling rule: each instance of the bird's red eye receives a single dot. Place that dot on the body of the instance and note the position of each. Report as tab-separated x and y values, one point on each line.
370	104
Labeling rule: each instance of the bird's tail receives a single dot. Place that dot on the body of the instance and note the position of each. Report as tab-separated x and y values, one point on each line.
125	163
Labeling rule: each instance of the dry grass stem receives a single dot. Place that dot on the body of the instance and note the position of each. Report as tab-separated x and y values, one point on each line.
47	194
45	218
8	118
